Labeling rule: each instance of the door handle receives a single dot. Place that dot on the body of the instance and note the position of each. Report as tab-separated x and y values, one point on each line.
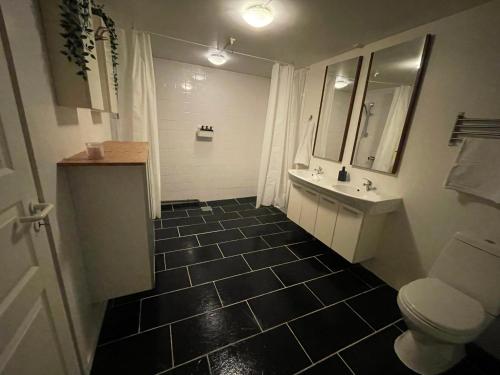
39	212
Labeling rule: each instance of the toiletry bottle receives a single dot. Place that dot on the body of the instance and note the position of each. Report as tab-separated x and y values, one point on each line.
342	175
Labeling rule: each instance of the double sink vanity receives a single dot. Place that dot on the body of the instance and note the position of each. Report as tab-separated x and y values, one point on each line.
346	218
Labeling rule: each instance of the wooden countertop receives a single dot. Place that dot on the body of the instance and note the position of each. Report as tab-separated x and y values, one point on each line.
115	153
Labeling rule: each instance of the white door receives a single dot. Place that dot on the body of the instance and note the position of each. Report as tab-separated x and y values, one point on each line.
34	330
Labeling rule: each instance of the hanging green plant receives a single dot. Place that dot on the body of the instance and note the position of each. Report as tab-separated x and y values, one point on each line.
79	45
98	10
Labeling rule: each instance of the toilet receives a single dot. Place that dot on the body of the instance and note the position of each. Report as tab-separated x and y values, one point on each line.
451	307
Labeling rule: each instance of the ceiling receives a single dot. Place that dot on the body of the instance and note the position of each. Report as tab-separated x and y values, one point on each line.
303	31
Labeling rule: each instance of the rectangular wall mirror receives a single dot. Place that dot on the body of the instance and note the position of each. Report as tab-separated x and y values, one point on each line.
339	90
390	94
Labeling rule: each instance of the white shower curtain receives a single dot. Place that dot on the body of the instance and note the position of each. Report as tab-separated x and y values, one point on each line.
137	104
281	135
389	141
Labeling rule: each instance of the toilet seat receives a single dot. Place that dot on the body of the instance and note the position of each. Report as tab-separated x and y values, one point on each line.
443	307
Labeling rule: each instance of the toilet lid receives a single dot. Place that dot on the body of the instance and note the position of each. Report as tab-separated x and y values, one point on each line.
443	306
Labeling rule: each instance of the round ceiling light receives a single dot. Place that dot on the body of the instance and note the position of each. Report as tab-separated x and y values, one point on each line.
258	16
217	58
341	82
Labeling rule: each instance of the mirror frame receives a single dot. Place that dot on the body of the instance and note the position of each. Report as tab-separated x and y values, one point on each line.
411	107
349	114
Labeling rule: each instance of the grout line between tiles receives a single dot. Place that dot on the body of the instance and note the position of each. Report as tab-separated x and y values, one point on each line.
254	316
189	277
314	294
298	342
363	319
319	260
218	295
209	367
140	316
244	259
345	363
243	234
274	273
220	251
360	278
171	345
395	325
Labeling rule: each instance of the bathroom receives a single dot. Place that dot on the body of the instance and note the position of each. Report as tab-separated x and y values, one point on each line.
249	187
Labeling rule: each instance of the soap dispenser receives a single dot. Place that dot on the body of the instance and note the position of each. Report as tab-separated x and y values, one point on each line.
342	175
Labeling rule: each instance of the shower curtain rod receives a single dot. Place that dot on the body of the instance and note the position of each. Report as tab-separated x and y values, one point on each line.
207	46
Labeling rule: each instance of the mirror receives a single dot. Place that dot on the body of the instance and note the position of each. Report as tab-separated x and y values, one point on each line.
390	94
339	90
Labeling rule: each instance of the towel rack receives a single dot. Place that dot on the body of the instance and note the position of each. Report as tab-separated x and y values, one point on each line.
474	127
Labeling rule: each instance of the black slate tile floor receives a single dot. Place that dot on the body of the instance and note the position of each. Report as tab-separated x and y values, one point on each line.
323	312
237	288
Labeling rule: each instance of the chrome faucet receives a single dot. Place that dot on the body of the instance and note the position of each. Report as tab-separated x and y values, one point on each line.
319	170
368	184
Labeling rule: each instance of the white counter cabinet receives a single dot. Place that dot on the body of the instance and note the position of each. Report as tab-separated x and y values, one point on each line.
112	205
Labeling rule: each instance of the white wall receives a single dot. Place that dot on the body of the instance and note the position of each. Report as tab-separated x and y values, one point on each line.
462	75
234	105
56	133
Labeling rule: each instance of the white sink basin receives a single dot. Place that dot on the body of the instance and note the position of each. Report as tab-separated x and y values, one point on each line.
348	189
370	202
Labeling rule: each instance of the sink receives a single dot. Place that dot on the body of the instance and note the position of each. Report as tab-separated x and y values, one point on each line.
348	189
370	202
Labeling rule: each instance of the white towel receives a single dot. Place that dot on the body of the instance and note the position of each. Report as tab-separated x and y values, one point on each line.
477	169
304	151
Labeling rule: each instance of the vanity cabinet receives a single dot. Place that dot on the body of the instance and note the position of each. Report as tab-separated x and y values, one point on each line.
348	231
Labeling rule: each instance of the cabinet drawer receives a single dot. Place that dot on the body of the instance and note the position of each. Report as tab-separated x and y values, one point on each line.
347	231
326	219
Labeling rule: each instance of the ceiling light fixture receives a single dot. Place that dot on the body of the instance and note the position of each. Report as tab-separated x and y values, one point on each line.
217	58
258	15
341	82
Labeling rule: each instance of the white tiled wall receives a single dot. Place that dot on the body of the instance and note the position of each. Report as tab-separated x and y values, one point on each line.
234	105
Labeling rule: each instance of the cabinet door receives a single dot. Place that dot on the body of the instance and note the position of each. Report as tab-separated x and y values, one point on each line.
294	203
326	219
309	210
347	230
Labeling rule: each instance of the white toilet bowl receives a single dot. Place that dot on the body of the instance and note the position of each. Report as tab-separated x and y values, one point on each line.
441	319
